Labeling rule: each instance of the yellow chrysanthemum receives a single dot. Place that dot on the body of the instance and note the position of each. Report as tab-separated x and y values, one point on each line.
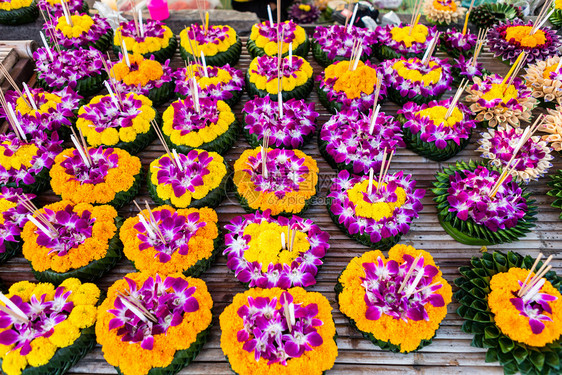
415	76
437	115
42	350
65	333
402	34
24	289
377	210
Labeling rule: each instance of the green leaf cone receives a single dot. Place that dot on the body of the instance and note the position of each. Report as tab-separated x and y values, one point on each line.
86	87
555	191
11	249
486	15
474	286
383	52
556	18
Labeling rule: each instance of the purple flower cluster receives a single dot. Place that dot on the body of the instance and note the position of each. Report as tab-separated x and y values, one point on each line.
267	66
382	283
468	197
14	218
534	306
215	34
302	16
269	31
166	77
453	39
100	28
301	272
348	140
194	166
176	229
68	66
220	91
103	160
297	123
384	38
187	119
438	133
107	114
285	172
71	230
409	88
48	149
279	334
465	68
166	300
337	42
152	29
42	317
397	224
74	6
51	120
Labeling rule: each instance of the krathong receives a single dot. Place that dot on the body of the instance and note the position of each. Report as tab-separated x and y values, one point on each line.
293	130
376	218
72	241
506	318
172	241
545	79
395	41
153	38
123	122
265	252
55	8
206	124
197	179
264	39
341	87
476	207
82	32
153	323
296	77
45	327
13	216
443	12
303	13
285	183
18	12
222	83
219	43
347	142
334	42
113	176
455	43
397	302
281	332
487	15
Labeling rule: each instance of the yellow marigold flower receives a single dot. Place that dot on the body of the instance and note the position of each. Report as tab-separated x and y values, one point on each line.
24	289
402	34
51	101
437	115
353	83
65	333
14	4
149	44
47	289
42	350
522	35
212	48
415	76
87	294
499	91
71	284
13	363
80	25
377	210
83	316
22	156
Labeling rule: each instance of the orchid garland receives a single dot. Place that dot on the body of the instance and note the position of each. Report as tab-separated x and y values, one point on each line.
54	7
13	216
221	83
156	36
298	124
337	43
259	258
262	72
84	31
457	44
346	140
464	69
303	13
265	36
214	40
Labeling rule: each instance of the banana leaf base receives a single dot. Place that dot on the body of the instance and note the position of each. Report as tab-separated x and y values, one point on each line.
160	95
382	53
19	16
246	206
333	106
161	55
299	92
140	142
395	96
85	87
555	185
230	56
556	18
11	248
220	145
255	51
322	57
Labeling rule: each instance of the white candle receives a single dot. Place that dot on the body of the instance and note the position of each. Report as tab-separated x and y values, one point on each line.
176	156
291	54
371	175
134	310
269	15
126	54
283	241
204	64
280	104
374	119
80	151
352	21
13	307
66	14
29	96
196	94
18	128
140	23
147	226
40	226
49	52
359	53
111	94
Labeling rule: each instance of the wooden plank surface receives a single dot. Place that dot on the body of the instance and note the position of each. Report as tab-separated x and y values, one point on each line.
450	352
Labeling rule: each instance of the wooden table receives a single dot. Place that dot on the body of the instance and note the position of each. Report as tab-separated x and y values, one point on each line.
450	352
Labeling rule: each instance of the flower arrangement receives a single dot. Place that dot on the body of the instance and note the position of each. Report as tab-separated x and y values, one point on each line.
48	328
222	83
296	77
341	88
475	210
107	176
208	124
142	332
377	219
455	43
155	39
25	164
219	43
463	68
18	12
553	126
346	142
56	111
284	184
196	179
410	80
395	41
71	240
334	43
264	39
556	17
434	131
443	12
13	216
545	79
79	69
302	13
302	339
507	40
54	7
515	330
487	15
118	123
531	161
183	241
293	130
495	103
397	302
146	77
82	32
265	252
